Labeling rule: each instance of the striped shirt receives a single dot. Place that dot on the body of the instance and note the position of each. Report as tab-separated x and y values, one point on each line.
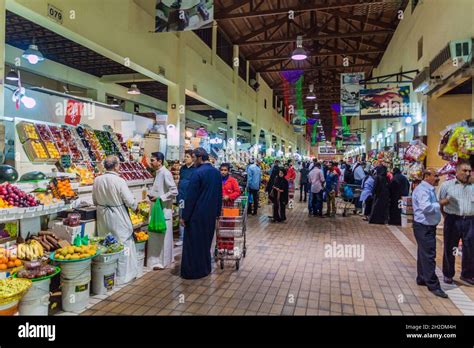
461	197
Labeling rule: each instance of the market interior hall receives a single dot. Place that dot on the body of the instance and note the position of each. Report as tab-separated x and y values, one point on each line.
236	158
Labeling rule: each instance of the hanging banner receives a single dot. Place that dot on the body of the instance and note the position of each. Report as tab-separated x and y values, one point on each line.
380	103
351	139
73	112
181	15
350	89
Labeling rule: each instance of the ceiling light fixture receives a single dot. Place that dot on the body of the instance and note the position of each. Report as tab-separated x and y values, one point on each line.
408	120
299	53
311	95
115	103
315	111
12	75
33	54
133	90
372	140
389	130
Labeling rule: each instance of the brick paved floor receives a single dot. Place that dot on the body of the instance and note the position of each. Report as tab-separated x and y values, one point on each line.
286	272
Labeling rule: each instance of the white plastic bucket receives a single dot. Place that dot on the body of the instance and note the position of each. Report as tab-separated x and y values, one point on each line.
140	258
9	309
36	300
103	275
75	284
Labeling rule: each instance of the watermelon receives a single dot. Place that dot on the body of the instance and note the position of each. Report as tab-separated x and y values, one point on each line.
8	173
33	176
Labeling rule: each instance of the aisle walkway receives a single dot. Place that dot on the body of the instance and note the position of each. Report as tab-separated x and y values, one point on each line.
288	271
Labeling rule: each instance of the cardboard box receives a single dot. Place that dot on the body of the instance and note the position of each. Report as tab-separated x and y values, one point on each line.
407	220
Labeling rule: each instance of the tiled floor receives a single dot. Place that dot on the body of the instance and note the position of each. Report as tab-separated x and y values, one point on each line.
289	271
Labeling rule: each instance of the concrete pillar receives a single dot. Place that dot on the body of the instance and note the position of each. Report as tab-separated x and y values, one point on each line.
247	72
177	100
2	57
268	143
254	135
232	126
214	43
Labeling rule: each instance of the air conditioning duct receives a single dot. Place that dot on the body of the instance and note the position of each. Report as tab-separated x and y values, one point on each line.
452	58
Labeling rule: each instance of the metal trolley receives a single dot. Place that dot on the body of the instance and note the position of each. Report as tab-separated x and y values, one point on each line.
231	232
345	203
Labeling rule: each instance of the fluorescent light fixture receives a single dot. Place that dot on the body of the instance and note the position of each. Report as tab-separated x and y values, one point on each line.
133	90
311	95
12	75
115	103
33	55
299	53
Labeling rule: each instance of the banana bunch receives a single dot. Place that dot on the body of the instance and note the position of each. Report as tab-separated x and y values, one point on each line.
30	250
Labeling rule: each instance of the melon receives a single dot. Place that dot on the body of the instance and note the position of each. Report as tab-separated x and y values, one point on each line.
8	173
32	176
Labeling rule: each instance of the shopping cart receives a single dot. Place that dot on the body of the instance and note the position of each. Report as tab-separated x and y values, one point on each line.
347	201
231	232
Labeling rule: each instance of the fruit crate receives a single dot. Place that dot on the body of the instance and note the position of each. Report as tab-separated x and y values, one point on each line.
77	140
58	138
43	132
26	131
53	151
36	152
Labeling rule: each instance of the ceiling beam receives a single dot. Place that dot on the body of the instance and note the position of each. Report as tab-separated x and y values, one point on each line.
320	68
297	9
235	6
321	54
361	19
334	35
124	78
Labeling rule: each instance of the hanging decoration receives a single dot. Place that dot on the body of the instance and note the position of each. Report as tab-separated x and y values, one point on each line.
314	135
345	126
299	99
289	78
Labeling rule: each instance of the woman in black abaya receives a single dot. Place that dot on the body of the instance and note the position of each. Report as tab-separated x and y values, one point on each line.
398	187
380	205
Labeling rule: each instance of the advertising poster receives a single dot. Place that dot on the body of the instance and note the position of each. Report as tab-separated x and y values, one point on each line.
181	15
380	103
351	139
350	89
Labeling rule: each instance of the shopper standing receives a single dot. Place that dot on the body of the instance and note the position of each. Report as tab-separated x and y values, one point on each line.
160	246
280	196
304	181
290	177
185	173
316	180
380	205
331	185
398	187
427	215
254	178
459	223
273	174
202	207
366	195
112	197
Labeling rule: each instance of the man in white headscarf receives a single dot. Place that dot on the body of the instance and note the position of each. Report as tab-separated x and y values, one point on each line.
160	246
112	197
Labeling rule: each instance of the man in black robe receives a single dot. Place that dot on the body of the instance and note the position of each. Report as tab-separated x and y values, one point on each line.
398	187
202	207
381	196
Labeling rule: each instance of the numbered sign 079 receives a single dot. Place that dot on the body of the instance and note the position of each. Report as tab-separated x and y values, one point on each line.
55	14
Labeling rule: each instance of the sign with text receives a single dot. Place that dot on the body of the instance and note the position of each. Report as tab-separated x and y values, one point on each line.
381	103
55	14
350	89
73	112
327	150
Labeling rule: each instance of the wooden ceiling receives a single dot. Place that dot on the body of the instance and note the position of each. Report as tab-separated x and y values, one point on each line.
332	30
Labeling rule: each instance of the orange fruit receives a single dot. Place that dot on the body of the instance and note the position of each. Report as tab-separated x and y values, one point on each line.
11	264
3	266
18	263
13	258
3	260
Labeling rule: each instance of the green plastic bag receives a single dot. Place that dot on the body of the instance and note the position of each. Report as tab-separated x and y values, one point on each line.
157	218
